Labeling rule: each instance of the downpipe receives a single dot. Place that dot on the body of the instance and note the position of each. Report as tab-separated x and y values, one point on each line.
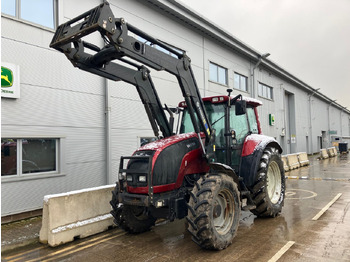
109	173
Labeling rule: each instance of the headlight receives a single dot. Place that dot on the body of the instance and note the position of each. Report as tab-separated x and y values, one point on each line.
142	178
129	178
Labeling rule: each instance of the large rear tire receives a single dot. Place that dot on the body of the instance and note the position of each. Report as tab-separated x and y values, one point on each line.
133	219
214	211
269	187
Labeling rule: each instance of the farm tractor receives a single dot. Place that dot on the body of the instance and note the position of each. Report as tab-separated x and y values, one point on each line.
216	164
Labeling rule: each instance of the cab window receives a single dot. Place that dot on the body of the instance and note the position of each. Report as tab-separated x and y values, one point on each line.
239	124
252	120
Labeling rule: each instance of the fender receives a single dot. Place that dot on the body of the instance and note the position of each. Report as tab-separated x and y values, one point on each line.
253	149
222	168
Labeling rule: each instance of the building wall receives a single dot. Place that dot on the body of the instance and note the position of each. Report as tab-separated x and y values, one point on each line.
57	101
60	101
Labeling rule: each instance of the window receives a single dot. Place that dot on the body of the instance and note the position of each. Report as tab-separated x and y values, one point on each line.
241	82
27	156
41	12
265	91
146	140
146	42
239	124
252	120
217	74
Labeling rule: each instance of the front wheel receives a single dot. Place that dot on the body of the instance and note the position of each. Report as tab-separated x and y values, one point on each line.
133	219
269	187
214	211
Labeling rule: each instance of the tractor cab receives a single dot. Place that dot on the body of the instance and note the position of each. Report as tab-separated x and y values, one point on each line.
232	121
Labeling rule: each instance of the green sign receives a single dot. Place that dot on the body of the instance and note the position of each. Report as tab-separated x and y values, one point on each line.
271	119
6	77
10	82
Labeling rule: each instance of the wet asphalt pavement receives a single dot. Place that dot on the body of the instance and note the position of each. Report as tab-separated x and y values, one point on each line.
292	236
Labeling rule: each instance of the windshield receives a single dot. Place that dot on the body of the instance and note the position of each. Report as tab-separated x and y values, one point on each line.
215	113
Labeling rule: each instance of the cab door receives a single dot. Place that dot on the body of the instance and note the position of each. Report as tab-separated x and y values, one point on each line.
238	123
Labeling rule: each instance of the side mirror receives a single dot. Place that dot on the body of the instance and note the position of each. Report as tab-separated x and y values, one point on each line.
241	107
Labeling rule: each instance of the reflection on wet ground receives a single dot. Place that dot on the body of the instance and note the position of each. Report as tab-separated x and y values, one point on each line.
326	239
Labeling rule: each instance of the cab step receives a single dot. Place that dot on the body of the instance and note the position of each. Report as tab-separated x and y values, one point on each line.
248	207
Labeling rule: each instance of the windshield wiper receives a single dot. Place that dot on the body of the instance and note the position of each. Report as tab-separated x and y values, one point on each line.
218	120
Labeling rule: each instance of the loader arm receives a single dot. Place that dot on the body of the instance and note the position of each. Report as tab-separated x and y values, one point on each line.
119	44
140	78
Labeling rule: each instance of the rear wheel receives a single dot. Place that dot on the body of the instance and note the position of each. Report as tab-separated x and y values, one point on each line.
133	219
269	187
214	211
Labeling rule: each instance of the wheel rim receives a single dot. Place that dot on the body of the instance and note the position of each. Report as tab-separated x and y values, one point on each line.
223	212
274	182
139	212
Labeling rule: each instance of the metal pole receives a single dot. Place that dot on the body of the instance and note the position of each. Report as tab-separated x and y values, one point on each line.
310	119
109	173
252	73
329	124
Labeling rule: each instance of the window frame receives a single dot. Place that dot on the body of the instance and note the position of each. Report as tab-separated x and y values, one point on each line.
217	74
20	176
18	17
263	88
239	85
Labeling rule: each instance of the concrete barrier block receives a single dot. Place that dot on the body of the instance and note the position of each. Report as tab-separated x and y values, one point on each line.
330	152
335	151
293	161
76	214
303	159
324	153
285	163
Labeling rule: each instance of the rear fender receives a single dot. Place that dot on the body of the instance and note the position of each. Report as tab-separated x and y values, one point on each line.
250	162
222	168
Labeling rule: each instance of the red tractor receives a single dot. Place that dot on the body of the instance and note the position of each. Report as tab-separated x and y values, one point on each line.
217	162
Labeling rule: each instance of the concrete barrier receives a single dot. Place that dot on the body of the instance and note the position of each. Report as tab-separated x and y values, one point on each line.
332	151
293	161
324	153
285	163
303	159
75	214
335	151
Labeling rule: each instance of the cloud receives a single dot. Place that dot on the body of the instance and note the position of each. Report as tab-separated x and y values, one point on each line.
310	39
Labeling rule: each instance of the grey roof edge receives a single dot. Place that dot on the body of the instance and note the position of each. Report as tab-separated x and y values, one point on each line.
180	11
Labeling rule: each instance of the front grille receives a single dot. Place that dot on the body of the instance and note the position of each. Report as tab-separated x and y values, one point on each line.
139	167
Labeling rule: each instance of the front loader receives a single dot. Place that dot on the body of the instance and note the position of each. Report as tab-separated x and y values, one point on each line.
215	165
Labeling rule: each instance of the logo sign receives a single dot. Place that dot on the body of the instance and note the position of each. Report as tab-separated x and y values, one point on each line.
6	77
10	86
271	119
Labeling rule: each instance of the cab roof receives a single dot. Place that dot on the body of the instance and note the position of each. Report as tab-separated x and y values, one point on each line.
222	99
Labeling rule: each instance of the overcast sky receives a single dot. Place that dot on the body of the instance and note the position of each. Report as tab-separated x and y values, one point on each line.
308	38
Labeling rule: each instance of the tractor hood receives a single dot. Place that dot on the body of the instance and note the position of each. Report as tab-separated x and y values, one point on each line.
172	158
159	145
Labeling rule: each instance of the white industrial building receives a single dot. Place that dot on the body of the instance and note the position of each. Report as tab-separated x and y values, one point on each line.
64	129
